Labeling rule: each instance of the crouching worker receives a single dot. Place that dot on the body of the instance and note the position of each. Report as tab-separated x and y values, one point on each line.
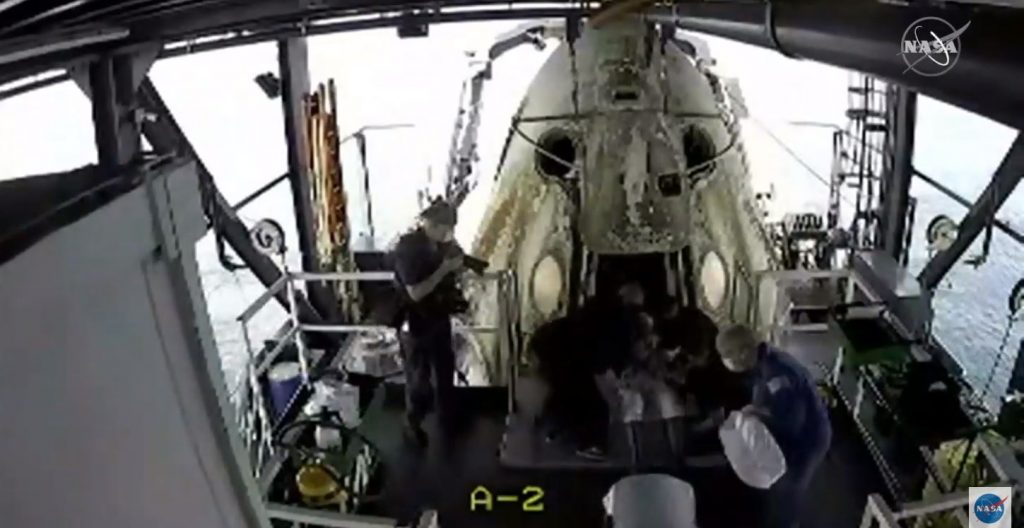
786	400
424	271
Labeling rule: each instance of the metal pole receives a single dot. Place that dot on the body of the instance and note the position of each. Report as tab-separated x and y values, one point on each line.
361	144
300	344
104	113
868	520
899	161
292	60
264	441
505	324
111	82
963	461
259	192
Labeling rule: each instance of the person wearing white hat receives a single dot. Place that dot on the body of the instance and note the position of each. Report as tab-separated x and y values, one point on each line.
786	399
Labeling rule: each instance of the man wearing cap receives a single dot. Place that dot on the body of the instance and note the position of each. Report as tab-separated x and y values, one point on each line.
423	260
785	398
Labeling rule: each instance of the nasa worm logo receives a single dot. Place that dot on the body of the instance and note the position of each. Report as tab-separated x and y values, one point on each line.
990	507
931	46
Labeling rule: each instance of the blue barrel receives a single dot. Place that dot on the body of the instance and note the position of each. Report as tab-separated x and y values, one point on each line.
284	379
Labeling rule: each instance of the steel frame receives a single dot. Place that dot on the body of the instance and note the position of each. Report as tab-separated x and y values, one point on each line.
292	59
166	136
981	214
899	169
235	27
109	153
858	36
111	82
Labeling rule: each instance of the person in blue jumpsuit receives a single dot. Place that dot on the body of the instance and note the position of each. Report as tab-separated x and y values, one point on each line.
786	399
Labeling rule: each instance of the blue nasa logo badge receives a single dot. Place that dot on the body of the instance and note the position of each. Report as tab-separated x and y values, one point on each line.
990	507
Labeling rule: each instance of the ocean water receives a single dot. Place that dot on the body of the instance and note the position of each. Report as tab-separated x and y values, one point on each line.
238	132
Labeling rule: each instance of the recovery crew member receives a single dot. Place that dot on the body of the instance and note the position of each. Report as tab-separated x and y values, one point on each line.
786	400
573	352
421	266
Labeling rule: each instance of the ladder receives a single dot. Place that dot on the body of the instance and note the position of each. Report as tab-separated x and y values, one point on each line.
857	163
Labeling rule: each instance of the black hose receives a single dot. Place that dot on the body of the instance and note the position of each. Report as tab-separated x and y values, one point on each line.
321	421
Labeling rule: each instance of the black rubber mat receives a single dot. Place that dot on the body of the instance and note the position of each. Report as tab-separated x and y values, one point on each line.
636	446
523	446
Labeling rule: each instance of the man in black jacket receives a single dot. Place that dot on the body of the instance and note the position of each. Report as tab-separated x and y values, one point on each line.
424	263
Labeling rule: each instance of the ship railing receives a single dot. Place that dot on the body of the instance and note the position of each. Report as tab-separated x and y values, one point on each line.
254	418
784	304
878	513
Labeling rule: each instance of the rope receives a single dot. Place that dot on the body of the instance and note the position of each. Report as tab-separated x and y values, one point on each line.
783	145
542	150
1011	320
696	168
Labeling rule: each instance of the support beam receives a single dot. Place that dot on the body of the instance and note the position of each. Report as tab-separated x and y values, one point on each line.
292	58
105	115
952	195
167	137
1005	180
899	169
114	111
111	82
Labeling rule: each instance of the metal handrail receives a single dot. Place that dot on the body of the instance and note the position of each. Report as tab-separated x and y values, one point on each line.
374	276
256	305
253	414
306	516
351	329
288	279
359	276
274	352
877	510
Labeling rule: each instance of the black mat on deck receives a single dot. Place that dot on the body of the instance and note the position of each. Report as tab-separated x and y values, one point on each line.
444	476
631	447
524	447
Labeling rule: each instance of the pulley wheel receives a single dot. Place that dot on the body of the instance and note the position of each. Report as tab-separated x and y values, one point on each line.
268	237
941	232
1016	301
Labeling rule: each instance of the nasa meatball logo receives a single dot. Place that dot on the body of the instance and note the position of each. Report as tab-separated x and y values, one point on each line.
990	507
931	46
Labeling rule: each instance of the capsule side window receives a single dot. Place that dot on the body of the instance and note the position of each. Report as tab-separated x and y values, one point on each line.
699	149
555	154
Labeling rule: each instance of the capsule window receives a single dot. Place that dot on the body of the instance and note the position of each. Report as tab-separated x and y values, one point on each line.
626	95
556	154
713	280
698	147
670	184
546	286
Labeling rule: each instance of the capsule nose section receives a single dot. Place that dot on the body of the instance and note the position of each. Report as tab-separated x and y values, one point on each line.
633	189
